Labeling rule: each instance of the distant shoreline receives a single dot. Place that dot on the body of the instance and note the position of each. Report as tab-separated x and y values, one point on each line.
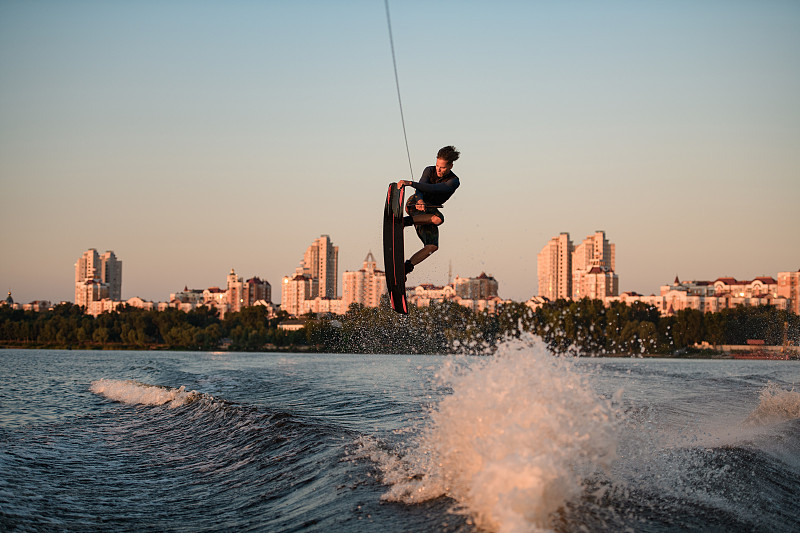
699	355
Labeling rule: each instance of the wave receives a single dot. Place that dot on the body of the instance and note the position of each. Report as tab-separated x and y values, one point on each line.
775	405
136	393
515	440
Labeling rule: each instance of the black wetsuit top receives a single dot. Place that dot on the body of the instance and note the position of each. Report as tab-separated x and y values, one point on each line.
433	189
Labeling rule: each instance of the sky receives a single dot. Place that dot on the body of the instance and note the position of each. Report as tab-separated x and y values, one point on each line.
192	137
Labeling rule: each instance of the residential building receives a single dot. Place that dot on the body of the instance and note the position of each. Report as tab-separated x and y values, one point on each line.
196	297
481	288
365	286
554	266
241	294
762	286
692	288
292	324
597	284
316	277
478	294
141	303
237	295
234	294
216	297
97	277
593	264
111	274
37	305
490	305
713	296
89	291
535	302
295	290
789	288
320	305
321	263
256	290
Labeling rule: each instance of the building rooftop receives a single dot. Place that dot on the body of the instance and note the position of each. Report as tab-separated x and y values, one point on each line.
766	279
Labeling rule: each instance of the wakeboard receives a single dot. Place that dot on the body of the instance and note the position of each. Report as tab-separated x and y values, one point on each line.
393	258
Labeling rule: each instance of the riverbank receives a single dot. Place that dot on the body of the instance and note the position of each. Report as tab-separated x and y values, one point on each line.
739	352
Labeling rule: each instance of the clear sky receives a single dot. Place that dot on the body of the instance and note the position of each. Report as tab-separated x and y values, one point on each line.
192	137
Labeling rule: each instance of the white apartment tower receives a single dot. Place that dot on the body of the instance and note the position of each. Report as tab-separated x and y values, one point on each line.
365	286
554	265
235	293
789	288
97	277
593	265
321	263
295	290
111	275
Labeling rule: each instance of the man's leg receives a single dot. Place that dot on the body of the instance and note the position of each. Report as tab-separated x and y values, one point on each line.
423	254
427	226
419	257
426	218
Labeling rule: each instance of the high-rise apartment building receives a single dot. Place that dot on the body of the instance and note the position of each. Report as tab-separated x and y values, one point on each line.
789	288
597	284
365	286
554	266
295	290
87	266
97	277
321	263
111	275
575	272
235	292
593	264
595	250
256	290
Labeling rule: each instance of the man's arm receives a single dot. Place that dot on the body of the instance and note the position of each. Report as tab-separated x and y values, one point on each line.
447	186
425	178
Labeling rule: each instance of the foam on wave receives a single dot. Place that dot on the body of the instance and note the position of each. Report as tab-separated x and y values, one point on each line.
136	393
515	441
775	405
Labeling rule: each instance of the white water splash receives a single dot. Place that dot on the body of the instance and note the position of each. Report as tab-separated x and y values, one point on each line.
512	444
134	392
775	405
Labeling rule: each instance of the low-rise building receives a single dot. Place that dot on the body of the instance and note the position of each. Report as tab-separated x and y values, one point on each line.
535	302
427	293
483	287
37	306
292	324
710	296
478	294
320	305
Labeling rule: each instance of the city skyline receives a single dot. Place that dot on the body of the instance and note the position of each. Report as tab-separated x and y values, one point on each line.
192	139
98	282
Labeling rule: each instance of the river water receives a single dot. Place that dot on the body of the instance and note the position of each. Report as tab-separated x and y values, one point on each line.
519	441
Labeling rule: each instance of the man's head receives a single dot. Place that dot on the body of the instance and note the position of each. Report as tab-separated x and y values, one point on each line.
444	160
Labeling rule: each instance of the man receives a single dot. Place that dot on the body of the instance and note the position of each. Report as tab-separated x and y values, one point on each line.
435	187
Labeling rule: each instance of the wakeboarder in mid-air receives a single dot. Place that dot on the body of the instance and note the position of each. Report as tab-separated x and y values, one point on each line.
434	188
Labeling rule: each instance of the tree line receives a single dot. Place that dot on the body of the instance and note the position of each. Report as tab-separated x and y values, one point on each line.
584	327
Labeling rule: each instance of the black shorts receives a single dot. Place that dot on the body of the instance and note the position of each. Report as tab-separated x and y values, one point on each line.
427	233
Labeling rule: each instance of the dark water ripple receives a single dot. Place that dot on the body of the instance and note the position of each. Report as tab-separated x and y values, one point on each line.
271	444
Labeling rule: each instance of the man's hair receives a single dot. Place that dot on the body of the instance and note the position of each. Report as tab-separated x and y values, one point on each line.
448	153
